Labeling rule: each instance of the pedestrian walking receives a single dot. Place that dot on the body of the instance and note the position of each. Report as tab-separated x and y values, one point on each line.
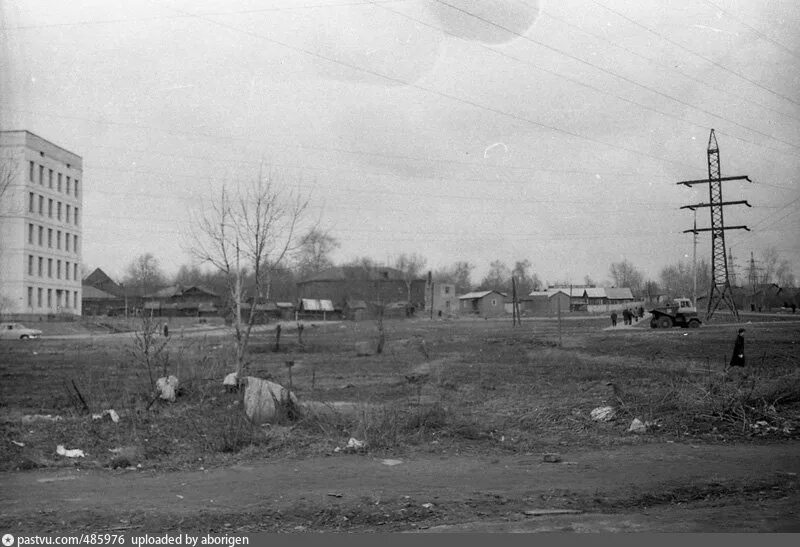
737	359
613	319
626	316
166	330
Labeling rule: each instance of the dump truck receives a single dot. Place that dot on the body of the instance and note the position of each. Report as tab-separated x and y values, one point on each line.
678	313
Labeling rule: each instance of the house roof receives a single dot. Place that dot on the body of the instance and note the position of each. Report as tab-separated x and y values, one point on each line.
622	293
539	293
478	295
174	291
311	304
596	292
166	292
92	293
572	292
98	277
199	289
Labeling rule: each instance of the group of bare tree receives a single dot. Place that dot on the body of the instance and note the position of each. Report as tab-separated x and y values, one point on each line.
682	279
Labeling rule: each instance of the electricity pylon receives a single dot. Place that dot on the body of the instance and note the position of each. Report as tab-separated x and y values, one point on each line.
720	282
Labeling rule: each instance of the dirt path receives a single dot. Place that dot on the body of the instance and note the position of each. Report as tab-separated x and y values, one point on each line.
740	487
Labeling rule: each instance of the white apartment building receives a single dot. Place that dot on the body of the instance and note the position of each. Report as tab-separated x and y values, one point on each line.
40	227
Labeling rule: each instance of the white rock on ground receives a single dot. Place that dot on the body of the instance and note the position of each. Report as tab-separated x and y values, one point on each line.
260	397
637	426
167	386
603	413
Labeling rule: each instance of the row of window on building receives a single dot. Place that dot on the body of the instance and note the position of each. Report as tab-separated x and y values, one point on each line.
69	210
67	238
39	270
71	184
63	298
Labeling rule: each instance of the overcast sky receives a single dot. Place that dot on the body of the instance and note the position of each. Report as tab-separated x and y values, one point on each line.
456	129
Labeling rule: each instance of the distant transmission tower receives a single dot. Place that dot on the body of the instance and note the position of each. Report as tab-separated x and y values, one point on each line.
720	283
731	268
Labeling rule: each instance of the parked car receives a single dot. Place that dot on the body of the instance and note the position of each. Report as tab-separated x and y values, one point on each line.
17	331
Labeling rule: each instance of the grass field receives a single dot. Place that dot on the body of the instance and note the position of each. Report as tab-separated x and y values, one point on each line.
457	386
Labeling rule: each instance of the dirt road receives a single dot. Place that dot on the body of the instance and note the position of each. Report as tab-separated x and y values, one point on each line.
656	487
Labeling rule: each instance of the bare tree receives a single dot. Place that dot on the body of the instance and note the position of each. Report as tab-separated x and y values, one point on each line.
785	274
527	280
498	277
251	228
625	274
770	260
315	250
144	274
411	265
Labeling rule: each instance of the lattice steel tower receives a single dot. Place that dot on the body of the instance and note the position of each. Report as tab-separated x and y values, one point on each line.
720	283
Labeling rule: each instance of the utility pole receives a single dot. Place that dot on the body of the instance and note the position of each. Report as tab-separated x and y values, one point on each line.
753	278
720	282
694	261
430	283
514	308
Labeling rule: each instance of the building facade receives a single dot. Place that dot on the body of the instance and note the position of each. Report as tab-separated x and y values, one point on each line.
40	227
376	284
444	301
483	303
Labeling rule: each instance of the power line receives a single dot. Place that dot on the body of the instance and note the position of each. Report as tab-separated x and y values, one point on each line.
594	88
385	173
283	144
668	67
513	200
442	94
167	17
624	78
431	235
751	27
360	171
711	61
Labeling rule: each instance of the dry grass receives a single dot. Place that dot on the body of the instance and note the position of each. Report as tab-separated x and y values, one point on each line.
484	386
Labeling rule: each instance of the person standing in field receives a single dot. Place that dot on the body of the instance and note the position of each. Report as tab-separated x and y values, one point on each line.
737	359
613	319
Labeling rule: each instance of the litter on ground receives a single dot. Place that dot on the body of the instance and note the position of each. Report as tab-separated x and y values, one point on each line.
69	453
111	413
